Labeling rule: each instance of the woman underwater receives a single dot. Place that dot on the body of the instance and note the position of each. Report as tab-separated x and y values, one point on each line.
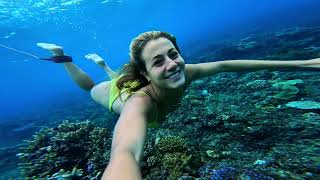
151	86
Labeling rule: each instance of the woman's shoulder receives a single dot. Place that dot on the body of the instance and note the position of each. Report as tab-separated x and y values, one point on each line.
144	94
140	97
143	102
145	91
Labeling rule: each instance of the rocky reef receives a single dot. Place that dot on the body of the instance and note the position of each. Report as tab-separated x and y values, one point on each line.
288	44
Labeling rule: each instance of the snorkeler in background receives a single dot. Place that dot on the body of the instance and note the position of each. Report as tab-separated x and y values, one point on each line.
150	86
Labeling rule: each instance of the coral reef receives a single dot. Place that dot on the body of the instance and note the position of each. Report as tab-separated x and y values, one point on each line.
225	171
70	149
169	157
287	89
307	105
288	44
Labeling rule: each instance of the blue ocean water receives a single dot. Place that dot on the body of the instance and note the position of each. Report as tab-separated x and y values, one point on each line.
106	28
30	87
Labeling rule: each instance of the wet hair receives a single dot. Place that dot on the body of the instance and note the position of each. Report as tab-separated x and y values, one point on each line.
132	77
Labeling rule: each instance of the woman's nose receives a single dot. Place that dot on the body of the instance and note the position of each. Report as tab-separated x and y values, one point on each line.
172	65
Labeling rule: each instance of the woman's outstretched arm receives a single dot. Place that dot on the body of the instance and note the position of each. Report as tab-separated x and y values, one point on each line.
207	69
128	140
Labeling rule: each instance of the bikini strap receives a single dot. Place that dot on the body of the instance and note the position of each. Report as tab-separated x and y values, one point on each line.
142	92
155	104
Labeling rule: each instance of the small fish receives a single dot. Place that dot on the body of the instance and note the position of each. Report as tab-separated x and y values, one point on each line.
71	2
23	128
103	2
53	8
10	35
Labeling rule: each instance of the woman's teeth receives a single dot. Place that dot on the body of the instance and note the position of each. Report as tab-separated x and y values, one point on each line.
174	75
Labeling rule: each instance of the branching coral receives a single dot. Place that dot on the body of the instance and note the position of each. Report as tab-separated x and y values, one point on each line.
170	157
171	144
76	147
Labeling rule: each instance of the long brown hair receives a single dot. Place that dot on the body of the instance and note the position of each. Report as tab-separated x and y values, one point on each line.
132	72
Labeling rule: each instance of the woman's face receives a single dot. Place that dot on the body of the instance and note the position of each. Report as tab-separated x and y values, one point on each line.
164	65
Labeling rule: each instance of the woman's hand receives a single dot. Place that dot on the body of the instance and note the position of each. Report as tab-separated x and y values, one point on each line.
54	49
312	63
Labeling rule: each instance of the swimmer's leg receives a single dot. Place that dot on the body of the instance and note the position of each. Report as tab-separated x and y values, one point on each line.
79	76
76	74
99	61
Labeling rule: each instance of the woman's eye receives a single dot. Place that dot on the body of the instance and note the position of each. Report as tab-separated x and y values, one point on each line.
157	63
174	55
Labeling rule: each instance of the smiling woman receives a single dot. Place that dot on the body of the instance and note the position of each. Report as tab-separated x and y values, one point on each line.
149	87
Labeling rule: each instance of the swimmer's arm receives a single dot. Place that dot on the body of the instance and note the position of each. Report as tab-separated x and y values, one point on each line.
128	140
196	71
253	65
207	69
